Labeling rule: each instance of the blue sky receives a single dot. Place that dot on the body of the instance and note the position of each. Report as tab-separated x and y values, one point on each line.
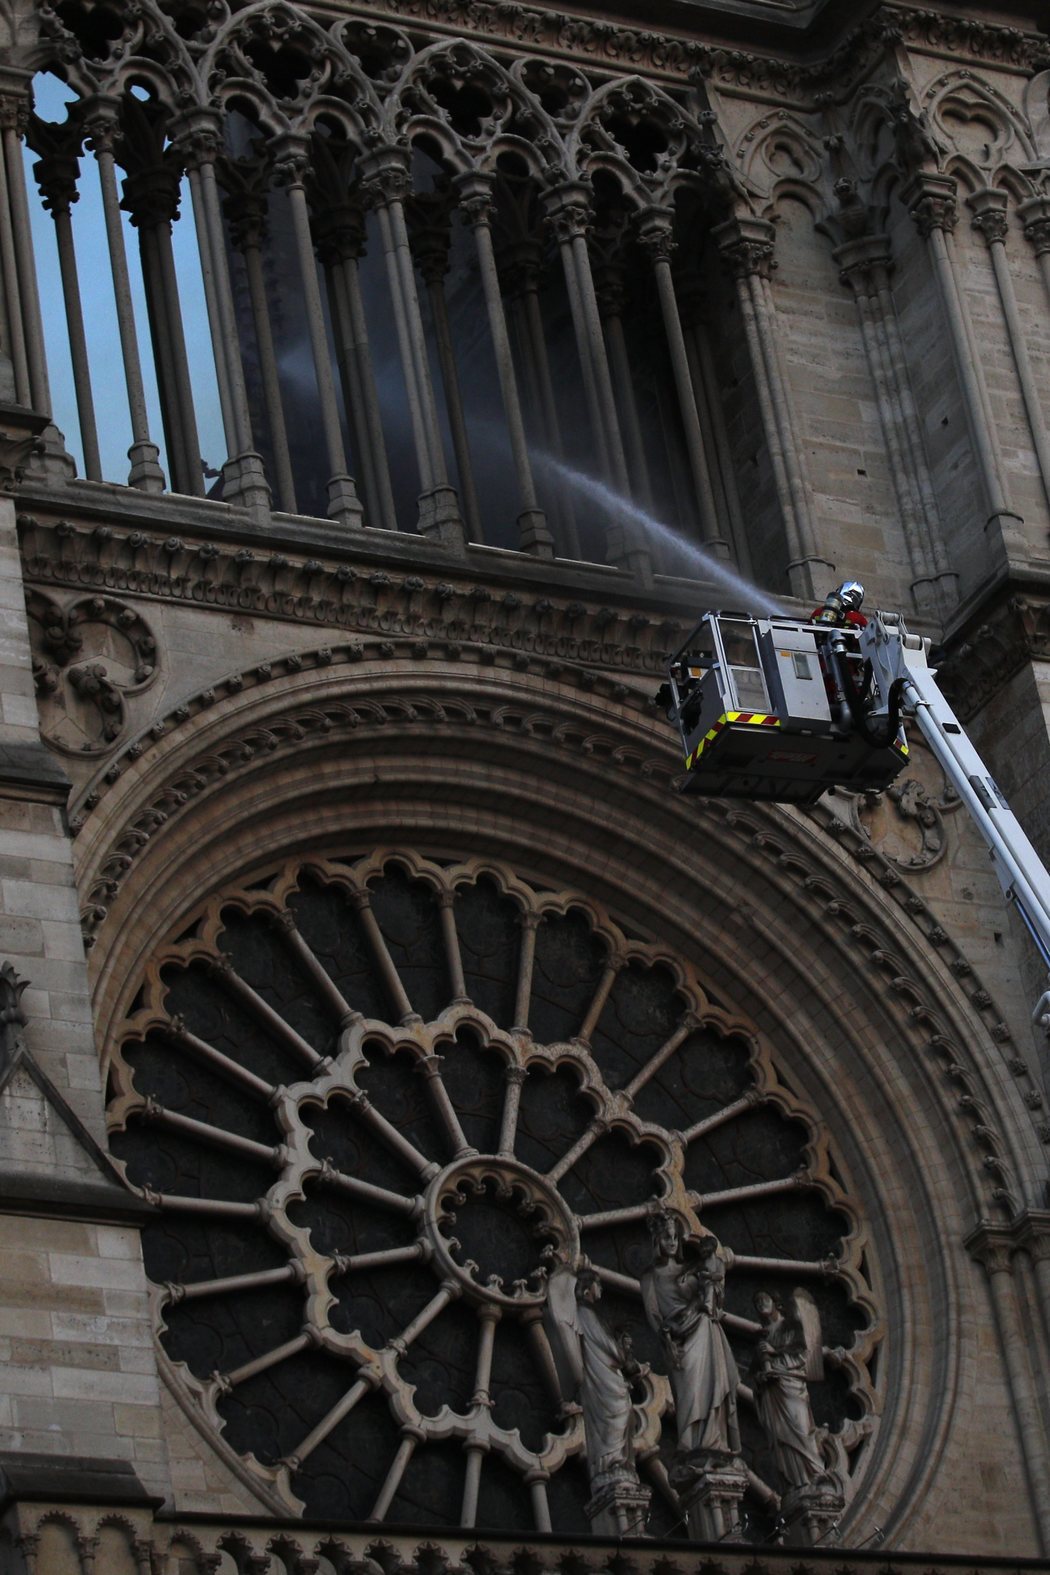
96	291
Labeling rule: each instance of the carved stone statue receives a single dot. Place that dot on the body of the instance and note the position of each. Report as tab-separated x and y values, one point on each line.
788	1352
683	1302
594	1367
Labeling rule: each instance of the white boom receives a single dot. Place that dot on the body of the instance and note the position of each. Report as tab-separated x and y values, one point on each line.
899	657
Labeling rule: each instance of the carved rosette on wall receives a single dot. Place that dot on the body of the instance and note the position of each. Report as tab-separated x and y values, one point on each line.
375	1099
89	655
907	821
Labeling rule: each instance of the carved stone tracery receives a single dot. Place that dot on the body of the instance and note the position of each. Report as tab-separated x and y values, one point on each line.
333	1164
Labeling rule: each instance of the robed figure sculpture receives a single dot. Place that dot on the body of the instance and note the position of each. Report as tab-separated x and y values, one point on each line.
683	1299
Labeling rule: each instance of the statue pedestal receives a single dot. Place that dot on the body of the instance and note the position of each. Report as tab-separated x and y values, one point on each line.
710	1484
811	1513
619	1506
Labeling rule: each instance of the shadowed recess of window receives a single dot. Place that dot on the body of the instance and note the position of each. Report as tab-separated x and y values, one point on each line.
503	1500
553	1114
442	1361
221	1333
489	929
379	1303
264	960
169	1162
183	1083
613	1172
400	1092
194	1251
338	1224
476	1080
521	1397
568	965
339	1134
706	1073
331	928
407	913
342	1479
640	1015
209	1011
431	1490
759	1145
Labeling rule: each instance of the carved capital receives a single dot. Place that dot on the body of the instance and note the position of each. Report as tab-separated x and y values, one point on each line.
655	231
746	247
291	161
474	193
198	138
931	202
1035	215
14	111
385	178
100	118
993	1246
989	215
865	264
569	211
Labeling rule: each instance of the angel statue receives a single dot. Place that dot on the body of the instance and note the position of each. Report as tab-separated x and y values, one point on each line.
683	1291
594	1367
787	1354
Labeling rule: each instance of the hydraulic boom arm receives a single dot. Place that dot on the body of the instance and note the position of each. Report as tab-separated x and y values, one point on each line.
899	657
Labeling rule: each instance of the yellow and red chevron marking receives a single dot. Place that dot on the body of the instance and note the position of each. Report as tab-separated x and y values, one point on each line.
751	718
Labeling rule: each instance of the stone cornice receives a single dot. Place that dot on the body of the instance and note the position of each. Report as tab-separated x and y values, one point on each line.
589	629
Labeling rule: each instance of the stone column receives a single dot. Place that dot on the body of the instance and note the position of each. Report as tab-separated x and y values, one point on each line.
475	202
56	173
339	239
568	210
930	200
865	265
385	186
694	312
245	207
291	171
655	233
746	246
151	199
101	120
199	143
520	264
429	230
990	222
19	267
612	299
993	1247
1035	216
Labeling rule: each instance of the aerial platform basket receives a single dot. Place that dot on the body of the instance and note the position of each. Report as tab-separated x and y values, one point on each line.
754	700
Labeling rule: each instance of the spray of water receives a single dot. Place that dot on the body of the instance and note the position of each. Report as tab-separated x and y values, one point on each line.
708	567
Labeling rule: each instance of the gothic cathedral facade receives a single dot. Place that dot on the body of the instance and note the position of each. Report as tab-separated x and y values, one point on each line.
428	1139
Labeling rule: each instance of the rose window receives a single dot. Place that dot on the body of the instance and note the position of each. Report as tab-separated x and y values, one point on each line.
375	1100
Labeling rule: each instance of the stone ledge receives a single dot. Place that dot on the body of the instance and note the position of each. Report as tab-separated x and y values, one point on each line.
70	1479
50	1197
31	771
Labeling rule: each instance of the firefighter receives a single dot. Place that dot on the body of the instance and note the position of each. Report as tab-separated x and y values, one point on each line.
841	610
842	606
